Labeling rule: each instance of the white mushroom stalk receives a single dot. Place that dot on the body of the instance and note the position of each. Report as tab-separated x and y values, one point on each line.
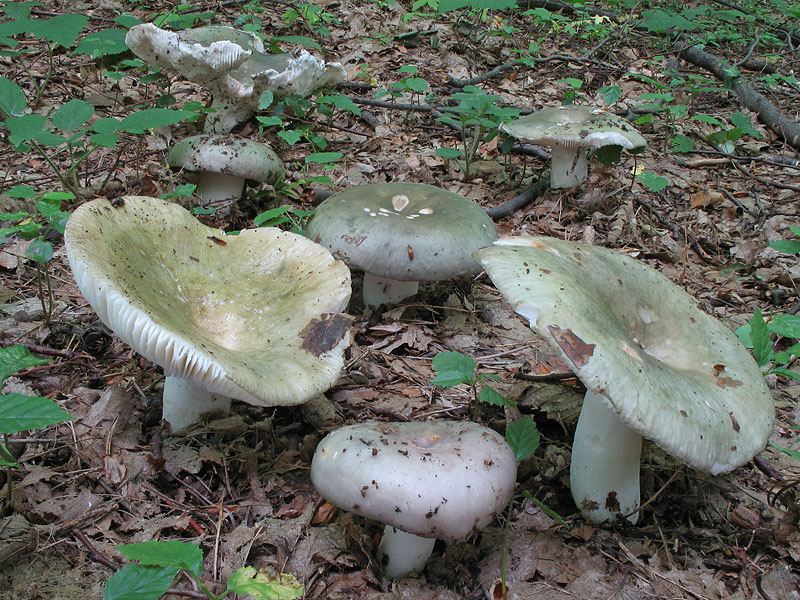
425	481
401	234
569	165
654	365
218	188
254	317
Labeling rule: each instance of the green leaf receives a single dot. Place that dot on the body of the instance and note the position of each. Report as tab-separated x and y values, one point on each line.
61	29
185	190
15	358
291	136
786	373
270	121
609	155
172	553
19	412
759	337
72	115
786	246
150	118
682	144
744	123
268	215
491	396
709	119
654	182
135	582
453	368
21	191
40	250
106	42
24	127
523	437
793	453
265	584
12	98
785	325
610	93
322	158
450	5
448	152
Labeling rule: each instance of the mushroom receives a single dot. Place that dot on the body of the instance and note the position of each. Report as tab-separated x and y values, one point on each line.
401	234
653	363
425	481
220	164
232	65
252	316
570	131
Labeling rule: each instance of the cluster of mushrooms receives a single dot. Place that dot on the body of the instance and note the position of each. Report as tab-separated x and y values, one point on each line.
261	317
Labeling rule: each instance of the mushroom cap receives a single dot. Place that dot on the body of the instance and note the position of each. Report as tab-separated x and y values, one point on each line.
252	316
436	479
228	155
575	126
671	372
403	231
208	34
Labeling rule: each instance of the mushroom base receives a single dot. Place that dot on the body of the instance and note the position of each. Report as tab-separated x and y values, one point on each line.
381	290
403	552
569	166
604	469
216	188
184	402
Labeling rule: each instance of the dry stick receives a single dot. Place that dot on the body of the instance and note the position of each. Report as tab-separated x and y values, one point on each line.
522	200
93	553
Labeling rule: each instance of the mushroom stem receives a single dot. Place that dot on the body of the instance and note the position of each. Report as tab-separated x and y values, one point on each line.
381	290
217	187
569	166
604	469
184	402
403	552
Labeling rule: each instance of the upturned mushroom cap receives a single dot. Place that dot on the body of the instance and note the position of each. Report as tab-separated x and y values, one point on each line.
671	372
403	231
575	126
445	480
227	155
233	69
252	316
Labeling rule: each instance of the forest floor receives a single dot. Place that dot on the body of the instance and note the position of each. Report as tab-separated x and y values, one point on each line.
239	486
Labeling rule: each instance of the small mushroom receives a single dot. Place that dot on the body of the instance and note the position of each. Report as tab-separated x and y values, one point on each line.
401	234
425	481
571	131
253	316
232	65
220	165
653	363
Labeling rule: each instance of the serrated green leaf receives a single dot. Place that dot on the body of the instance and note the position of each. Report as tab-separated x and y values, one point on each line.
323	158
19	412
268	215
610	93
682	144
785	325
744	123
654	182
136	582
106	42
523	437
448	152
39	250
12	98
15	358
24	127
489	395
172	553
785	246
453	368
21	191
609	155
72	115
265	584
759	337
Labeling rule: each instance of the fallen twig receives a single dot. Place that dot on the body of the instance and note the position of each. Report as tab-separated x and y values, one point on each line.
522	200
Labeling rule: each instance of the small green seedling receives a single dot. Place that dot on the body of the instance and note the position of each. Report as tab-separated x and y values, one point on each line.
454	368
159	563
756	335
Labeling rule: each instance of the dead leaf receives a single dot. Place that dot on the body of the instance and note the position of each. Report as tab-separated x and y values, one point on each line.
705	198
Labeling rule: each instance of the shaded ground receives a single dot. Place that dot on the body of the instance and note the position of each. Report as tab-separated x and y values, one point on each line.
239	485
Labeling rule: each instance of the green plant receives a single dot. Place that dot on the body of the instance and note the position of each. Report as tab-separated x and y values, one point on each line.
757	335
476	113
46	218
159	563
408	85
314	17
284	214
20	412
454	368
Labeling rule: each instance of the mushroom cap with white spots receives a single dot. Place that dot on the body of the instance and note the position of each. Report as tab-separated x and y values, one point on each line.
252	316
575	126
444	479
403	231
228	155
671	372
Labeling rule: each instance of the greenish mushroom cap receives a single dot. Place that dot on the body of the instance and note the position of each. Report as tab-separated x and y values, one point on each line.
252	316
575	126
403	231
672	373
227	155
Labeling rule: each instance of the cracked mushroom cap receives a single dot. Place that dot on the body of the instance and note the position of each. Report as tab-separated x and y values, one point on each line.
227	155
403	231
252	316
672	373
575	127
443	480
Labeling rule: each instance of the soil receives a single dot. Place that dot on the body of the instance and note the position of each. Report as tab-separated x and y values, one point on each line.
239	485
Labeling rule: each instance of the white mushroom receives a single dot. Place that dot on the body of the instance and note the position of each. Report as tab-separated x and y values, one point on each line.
654	365
444	480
